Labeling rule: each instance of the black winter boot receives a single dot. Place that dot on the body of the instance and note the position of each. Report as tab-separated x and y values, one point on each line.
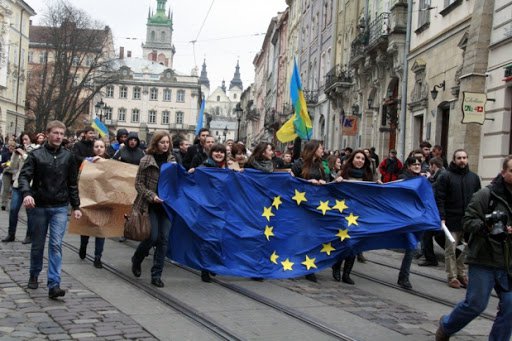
336	271
347	269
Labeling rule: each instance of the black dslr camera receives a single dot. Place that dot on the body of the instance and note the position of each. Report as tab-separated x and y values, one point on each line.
497	220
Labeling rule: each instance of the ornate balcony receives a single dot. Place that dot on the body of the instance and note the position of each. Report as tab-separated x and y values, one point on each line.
357	47
338	76
311	96
379	30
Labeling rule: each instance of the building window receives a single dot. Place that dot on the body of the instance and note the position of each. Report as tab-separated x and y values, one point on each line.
165	117
89	60
123	92
180	96
110	91
423	16
167	94
153	94
162	36
43	57
121	115
218	98
75	61
179	117
30	56
136	93
152	116
108	113
234	96
135	115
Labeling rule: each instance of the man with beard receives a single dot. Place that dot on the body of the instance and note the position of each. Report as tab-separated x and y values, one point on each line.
454	189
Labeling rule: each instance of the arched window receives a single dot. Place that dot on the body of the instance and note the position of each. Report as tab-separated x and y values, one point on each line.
162	36
153	35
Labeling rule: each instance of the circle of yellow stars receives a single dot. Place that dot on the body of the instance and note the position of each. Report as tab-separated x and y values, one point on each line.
299	198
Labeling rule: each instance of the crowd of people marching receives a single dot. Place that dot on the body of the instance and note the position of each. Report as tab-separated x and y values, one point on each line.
41	172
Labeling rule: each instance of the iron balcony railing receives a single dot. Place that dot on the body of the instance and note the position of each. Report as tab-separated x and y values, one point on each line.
378	28
338	75
311	96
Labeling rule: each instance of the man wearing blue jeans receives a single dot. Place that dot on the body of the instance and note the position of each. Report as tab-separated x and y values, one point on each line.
53	172
487	219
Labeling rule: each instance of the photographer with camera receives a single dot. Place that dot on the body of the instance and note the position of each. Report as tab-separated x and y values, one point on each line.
487	219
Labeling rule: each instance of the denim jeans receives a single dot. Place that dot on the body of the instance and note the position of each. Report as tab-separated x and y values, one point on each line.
405	268
160	228
482	280
14	210
99	244
56	218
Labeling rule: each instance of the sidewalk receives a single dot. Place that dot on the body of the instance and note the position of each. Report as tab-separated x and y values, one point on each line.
30	315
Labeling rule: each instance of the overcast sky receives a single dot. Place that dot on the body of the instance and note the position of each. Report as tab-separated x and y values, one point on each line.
234	29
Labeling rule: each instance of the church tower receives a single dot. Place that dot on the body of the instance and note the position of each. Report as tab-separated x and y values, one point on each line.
158	46
235	86
204	81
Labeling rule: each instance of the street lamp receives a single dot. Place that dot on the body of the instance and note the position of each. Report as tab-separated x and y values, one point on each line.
225	134
99	108
238	111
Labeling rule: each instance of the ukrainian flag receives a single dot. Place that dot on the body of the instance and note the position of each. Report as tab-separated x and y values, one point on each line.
99	127
300	124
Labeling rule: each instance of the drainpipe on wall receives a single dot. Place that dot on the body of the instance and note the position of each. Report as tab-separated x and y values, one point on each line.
405	71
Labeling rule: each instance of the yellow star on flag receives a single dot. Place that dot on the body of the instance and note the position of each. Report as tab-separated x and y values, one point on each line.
324	206
327	248
267	212
352	219
309	262
340	205
277	202
269	232
273	257
299	197
343	234
287	265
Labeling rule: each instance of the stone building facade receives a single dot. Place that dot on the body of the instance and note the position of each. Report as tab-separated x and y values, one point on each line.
495	138
14	46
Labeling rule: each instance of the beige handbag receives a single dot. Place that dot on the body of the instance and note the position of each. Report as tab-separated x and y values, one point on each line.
137	226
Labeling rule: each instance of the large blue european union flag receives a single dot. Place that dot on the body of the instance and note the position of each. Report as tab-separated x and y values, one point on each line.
256	224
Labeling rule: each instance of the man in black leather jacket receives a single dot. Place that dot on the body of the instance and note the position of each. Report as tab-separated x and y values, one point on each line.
54	175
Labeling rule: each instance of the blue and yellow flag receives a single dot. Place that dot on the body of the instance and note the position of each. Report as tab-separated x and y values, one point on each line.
99	127
255	224
300	123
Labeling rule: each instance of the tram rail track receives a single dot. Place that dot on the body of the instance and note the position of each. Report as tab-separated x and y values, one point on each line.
417	273
191	313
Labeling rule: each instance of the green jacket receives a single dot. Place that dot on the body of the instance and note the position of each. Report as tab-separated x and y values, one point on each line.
482	249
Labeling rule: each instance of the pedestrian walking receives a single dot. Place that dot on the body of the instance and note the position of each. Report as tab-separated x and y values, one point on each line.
131	151
453	191
147	200
310	168
390	167
100	153
17	159
358	168
488	221
261	158
49	183
196	148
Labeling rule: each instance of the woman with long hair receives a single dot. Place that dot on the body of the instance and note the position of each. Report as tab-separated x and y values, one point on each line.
334	164
357	168
261	158
309	167
100	153
147	200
